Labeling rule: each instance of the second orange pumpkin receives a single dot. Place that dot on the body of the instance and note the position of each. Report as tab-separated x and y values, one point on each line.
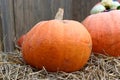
105	32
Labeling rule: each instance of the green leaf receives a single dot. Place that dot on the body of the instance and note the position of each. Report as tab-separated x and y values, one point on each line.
118	8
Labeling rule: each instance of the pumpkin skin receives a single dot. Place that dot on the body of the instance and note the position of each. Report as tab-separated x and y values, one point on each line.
20	41
105	32
58	45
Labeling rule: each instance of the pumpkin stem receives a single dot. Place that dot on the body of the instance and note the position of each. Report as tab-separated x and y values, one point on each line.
59	14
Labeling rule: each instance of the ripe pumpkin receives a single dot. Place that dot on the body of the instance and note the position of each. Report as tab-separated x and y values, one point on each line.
58	45
20	41
105	32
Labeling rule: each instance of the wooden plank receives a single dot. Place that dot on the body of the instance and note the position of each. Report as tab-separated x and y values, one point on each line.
36	11
7	24
28	13
81	8
68	9
27	17
0	34
0	30
19	17
66	4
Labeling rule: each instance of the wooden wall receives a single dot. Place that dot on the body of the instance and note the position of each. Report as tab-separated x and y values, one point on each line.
8	27
81	8
0	30
29	12
19	16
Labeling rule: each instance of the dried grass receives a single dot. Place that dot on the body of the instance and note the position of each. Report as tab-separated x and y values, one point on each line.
99	67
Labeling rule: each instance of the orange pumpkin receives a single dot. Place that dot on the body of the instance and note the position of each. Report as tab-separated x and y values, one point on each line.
20	41
58	45
105	32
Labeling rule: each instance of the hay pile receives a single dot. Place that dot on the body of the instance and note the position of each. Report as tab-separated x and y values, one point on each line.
99	67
